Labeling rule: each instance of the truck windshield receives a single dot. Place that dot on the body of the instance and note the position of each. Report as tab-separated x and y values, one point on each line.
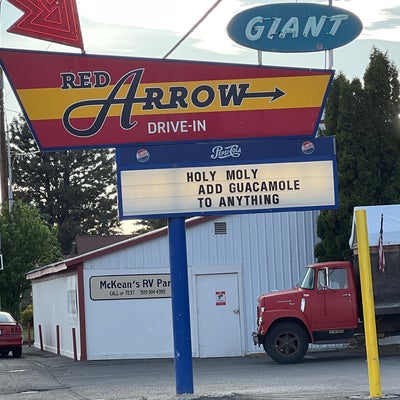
308	281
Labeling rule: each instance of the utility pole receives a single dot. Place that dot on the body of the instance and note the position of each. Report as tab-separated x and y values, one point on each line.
3	147
3	158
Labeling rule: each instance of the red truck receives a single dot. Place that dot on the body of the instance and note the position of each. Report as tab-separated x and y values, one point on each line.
325	307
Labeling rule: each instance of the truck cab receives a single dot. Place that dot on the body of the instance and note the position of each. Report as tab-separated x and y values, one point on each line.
321	309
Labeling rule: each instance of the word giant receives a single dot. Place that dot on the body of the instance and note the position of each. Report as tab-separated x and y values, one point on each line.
294	27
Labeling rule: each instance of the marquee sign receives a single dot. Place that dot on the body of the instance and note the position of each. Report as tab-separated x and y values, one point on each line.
227	178
82	101
294	27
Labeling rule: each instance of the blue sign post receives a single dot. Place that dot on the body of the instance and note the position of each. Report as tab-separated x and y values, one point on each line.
180	305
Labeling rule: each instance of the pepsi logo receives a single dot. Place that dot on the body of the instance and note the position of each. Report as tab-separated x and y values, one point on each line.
307	147
142	155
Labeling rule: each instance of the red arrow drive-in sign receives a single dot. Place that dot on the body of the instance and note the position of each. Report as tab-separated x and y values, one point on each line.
82	101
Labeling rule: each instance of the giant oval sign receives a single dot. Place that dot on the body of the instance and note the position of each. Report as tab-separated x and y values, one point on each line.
294	27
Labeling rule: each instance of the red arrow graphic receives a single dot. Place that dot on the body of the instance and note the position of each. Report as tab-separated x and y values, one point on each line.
52	20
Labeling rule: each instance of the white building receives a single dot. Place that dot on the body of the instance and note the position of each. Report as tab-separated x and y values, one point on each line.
114	302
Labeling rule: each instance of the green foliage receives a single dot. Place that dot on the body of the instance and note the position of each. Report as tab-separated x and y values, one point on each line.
365	121
26	316
27	241
150	225
74	190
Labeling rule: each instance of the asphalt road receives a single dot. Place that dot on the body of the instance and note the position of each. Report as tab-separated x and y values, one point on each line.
322	375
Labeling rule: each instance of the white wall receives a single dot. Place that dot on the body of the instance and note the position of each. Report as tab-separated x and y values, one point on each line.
270	250
127	328
55	303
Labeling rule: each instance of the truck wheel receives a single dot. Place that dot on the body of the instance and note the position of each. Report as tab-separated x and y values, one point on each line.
17	352
286	343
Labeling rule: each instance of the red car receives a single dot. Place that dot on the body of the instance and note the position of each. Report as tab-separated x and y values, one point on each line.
11	337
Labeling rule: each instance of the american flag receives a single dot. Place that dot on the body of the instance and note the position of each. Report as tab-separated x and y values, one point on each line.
381	254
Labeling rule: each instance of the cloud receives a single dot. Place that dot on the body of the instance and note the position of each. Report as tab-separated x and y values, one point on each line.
391	20
172	15
174	18
169	19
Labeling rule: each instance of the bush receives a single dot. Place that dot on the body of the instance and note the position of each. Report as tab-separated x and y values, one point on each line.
26	316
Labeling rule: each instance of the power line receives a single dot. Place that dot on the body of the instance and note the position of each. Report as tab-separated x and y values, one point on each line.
193	28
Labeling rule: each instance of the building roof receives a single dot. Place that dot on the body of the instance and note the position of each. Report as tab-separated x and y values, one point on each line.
391	225
98	252
88	243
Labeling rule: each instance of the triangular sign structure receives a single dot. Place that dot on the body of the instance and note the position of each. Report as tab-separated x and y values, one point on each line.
52	20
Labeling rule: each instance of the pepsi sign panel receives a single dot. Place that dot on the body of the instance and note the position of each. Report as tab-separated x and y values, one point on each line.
238	152
294	27
214	178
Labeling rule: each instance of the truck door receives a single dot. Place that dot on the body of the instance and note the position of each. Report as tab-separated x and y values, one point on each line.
334	305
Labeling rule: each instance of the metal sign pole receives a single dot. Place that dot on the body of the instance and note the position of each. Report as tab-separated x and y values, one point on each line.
180	305
367	296
330	52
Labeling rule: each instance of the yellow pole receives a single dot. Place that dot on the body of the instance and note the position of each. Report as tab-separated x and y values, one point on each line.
367	296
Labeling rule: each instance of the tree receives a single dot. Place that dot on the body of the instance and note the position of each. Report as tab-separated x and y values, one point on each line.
147	225
383	108
26	241
74	190
365	121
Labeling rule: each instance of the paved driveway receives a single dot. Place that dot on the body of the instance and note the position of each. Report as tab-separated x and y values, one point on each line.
322	375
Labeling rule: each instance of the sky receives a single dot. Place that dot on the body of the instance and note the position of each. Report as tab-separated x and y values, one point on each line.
152	28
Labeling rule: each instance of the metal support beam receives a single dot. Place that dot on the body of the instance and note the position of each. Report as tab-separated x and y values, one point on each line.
180	305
